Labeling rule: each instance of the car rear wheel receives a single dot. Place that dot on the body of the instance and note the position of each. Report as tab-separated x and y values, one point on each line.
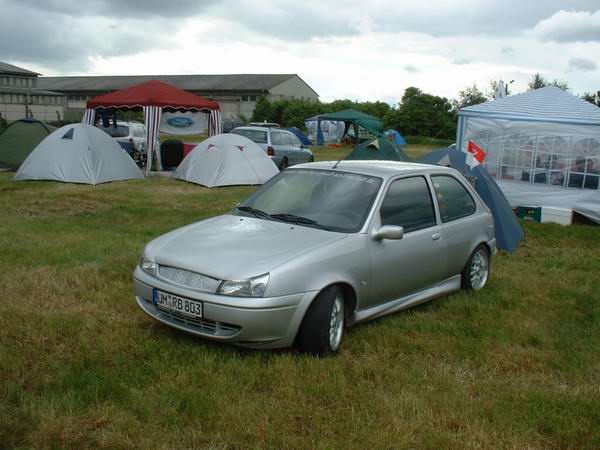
477	270
322	329
284	164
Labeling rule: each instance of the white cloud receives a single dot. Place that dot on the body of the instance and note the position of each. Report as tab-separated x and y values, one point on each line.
570	26
587	65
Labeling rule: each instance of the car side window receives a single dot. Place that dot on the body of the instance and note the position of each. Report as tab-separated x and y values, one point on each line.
408	204
453	198
292	140
276	138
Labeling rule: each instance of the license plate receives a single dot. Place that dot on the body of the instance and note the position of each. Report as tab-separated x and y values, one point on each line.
175	303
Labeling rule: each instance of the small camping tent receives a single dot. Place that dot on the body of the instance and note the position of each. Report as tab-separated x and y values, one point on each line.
300	135
395	137
78	153
19	139
378	148
226	160
509	232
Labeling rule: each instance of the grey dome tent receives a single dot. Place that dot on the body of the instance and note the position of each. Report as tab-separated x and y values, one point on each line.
226	160
78	153
19	139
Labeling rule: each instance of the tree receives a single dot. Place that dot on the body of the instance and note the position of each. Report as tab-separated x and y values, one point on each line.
421	114
537	81
262	110
593	98
471	95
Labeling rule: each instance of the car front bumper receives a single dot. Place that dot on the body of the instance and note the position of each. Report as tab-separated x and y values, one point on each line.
249	322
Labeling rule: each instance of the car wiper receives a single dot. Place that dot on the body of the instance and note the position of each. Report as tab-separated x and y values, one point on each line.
255	212
298	220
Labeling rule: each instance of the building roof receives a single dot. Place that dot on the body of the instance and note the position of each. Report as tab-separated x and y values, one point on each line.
549	104
22	90
238	82
14	70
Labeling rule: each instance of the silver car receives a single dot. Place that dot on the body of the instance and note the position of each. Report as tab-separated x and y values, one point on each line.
318	248
282	146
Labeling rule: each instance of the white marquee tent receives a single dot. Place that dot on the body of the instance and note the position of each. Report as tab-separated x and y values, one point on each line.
78	153
543	146
226	160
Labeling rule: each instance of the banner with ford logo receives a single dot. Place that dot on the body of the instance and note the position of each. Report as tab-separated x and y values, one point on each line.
182	123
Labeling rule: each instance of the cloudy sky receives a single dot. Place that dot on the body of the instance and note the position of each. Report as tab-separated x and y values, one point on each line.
363	50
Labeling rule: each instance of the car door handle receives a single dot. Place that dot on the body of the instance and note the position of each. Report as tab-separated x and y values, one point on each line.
436	236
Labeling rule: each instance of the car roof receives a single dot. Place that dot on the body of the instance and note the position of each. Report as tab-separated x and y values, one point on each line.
384	169
251	127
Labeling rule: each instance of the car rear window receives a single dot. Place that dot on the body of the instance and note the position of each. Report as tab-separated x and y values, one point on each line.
116	132
258	136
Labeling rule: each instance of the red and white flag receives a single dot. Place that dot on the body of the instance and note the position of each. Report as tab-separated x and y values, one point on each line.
476	151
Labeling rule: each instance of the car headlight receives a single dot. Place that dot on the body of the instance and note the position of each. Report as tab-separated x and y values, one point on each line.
148	266
250	287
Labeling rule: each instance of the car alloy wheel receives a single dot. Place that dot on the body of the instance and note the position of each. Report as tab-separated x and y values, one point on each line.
480	269
336	323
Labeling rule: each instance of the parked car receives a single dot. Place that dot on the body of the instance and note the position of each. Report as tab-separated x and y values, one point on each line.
128	133
283	147
318	248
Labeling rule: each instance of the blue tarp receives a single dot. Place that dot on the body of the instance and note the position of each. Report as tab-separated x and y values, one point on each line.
509	232
395	137
300	135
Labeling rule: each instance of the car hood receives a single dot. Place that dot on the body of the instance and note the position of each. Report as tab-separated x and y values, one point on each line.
233	247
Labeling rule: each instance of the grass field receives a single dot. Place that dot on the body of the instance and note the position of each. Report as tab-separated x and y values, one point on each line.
515	366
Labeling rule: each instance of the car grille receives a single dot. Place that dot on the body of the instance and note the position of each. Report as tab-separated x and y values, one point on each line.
205	326
189	279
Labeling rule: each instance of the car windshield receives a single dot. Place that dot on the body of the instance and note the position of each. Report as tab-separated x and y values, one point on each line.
116	132
327	199
258	136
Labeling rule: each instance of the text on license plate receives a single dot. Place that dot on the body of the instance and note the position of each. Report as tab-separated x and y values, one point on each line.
182	305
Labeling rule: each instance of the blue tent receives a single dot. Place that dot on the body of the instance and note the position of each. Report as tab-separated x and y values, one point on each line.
509	232
300	135
395	137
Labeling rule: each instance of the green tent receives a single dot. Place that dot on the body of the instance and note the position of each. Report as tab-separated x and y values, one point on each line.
354	117
379	148
19	139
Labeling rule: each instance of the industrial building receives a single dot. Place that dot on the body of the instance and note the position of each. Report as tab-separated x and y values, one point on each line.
21	96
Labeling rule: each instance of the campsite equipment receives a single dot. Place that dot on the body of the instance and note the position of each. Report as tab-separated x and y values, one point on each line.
226	160
153	97
300	135
543	147
378	148
19	139
78	153
395	137
509	232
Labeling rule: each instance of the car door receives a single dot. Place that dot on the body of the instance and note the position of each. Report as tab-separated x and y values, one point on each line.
293	146
417	261
460	224
278	145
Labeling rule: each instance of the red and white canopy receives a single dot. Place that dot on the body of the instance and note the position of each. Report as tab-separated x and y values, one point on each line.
153	97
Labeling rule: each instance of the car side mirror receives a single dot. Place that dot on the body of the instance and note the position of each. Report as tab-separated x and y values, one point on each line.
392	232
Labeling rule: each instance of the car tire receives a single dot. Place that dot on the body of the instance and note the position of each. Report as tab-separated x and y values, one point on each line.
312	158
476	273
284	164
322	328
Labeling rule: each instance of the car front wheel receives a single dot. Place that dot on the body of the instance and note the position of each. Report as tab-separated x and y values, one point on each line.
322	329
477	270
